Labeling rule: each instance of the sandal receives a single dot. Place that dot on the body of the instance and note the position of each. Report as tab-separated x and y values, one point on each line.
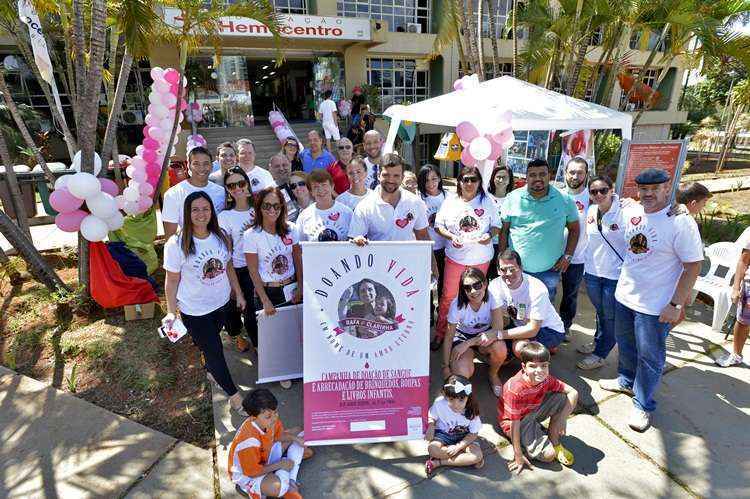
429	467
564	456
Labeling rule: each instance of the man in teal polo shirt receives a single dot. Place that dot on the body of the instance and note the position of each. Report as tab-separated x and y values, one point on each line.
535	219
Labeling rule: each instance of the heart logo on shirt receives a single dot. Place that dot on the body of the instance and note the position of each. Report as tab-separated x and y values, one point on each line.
579	205
614	227
402	222
334	216
636	220
479	211
590	220
286	240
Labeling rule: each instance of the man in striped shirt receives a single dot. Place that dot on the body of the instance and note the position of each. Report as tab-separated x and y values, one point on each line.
530	397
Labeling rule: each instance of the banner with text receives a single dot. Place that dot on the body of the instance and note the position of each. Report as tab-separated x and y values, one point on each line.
366	341
668	155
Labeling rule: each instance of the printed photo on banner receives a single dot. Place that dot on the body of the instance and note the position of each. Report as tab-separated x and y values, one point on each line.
527	145
365	341
576	143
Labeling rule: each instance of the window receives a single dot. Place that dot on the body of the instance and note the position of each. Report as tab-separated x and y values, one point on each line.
399	80
399	14
649	78
504	69
503	18
291	6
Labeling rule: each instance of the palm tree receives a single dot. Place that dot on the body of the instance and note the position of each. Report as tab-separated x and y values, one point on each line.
515	39
15	192
200	27
493	34
451	30
740	100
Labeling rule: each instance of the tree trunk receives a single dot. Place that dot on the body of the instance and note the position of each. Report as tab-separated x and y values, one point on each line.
515	40
37	265
480	45
463	51
492	14
469	39
110	135
729	136
552	65
11	105
580	58
15	192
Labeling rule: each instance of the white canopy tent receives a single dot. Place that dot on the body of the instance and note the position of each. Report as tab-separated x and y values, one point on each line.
532	108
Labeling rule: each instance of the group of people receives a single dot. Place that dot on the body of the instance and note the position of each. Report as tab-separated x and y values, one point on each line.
499	255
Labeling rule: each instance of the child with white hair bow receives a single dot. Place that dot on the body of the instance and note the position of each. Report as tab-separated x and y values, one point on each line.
453	427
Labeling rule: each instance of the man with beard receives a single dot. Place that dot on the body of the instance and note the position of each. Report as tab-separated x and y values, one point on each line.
661	264
373	145
535	218
390	213
576	183
199	166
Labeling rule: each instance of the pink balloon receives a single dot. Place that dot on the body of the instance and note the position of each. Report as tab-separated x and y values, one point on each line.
144	203
458	85
146	134
467	131
183	105
146	189
276	123
153	169
497	150
70	222
150	119
63	201
160	87
150	143
149	155
466	158
109	187
504	138
139	175
174	88
172	76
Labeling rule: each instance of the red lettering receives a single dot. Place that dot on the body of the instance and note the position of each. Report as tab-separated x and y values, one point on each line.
257	28
337	31
299	30
242	28
287	30
310	31
391	265
228	26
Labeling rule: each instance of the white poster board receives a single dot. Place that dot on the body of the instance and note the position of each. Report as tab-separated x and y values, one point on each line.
280	344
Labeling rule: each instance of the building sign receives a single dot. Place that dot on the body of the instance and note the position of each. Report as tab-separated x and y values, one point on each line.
635	157
366	341
294	26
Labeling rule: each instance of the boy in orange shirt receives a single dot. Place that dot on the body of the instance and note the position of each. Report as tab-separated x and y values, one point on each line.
264	458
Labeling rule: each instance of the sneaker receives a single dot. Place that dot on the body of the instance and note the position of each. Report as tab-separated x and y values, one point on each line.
729	359
242	344
613	385
590	362
587	348
639	420
567	336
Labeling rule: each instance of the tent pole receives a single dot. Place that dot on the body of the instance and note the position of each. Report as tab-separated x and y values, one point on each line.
392	132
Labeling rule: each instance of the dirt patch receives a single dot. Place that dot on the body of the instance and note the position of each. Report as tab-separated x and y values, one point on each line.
121	366
730	203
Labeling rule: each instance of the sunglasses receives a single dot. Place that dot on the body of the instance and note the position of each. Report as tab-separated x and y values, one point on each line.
270	206
292	144
602	191
469	180
344	148
240	184
294	185
476	286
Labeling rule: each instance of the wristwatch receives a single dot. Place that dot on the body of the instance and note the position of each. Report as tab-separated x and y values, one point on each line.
676	305
568	257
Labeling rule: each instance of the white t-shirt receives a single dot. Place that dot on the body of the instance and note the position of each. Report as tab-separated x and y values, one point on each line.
351	200
324	225
582	202
235	223
601	260
326	110
499	205
530	300
433	204
275	262
451	422
372	174
174	200
204	285
469	221
743	242
469	322
658	245
260	178
379	221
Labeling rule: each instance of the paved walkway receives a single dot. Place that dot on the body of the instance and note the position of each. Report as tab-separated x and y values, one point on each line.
55	445
727	184
696	447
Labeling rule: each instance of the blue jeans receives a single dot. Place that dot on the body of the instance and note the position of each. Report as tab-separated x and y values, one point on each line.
550	278
641	340
571	281
601	292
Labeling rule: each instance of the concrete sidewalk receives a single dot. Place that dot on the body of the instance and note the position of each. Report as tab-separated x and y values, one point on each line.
55	445
696	447
726	184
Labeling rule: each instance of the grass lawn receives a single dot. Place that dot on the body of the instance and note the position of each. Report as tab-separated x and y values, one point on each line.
124	367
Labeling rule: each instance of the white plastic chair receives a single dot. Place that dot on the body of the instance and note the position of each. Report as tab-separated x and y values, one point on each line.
722	255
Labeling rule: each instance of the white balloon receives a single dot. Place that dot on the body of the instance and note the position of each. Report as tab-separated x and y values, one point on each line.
84	185
77	163
169	100
160	111
62	181
161	86
131	208
120	200
130	170
157	134
94	228
154	98
131	194
102	205
480	148
166	123
150	119
116	221
139	150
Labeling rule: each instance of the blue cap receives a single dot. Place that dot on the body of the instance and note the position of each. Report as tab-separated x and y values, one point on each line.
651	176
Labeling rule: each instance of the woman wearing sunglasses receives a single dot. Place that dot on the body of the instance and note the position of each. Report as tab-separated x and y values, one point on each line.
604	253
468	221
236	218
290	149
474	322
337	169
300	192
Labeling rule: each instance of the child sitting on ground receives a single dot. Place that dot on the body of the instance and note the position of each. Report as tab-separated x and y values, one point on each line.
530	397
453	425
264	458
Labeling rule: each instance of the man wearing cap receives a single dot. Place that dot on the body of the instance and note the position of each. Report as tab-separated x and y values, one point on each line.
661	264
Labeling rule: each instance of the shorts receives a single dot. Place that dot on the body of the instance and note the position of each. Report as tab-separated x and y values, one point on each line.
449	438
743	305
548	337
534	437
331	131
